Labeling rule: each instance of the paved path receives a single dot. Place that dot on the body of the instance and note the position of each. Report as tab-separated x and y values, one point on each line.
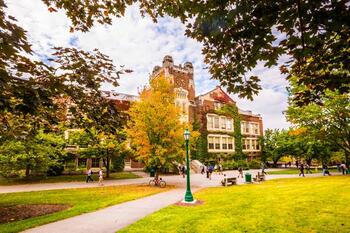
113	218
197	180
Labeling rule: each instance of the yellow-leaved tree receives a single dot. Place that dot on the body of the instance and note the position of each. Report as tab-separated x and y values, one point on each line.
154	128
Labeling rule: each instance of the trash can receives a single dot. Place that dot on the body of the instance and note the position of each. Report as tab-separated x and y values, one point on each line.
152	172
248	178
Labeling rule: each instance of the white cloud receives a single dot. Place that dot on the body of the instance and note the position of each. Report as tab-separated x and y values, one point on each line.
140	44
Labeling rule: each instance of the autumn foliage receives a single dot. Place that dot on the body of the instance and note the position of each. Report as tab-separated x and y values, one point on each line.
154	129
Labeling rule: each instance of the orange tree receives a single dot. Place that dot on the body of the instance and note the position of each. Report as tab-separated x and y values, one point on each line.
154	128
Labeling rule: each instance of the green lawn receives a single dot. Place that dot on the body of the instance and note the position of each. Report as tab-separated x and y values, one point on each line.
82	201
286	205
288	171
65	178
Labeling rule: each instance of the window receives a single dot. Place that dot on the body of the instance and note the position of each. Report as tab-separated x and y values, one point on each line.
220	143
223	122
95	162
184	108
217	105
216	122
243	125
229	124
211	142
253	143
210	123
255	128
246	145
217	143
230	143
181	94
246	129
224	143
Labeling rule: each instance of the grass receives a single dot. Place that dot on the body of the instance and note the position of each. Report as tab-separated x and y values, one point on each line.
81	201
65	178
288	171
319	204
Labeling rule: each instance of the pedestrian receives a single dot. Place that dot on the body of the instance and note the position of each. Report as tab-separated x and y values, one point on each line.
88	176
263	168
290	164
211	169
240	172
301	170
207	171
183	171
325	169
343	168
308	169
297	163
220	169
100	177
203	169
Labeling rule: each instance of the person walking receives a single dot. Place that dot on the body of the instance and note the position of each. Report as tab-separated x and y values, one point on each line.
263	168
203	169
301	170
220	169
100	177
88	176
183	171
207	171
343	168
325	169
211	169
240	172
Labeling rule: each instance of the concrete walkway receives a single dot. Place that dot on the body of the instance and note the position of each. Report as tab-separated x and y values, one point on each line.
113	218
197	180
68	185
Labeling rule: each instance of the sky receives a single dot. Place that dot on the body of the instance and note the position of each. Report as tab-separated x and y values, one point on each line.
139	44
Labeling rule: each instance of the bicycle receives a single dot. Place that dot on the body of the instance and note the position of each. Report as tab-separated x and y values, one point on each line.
161	183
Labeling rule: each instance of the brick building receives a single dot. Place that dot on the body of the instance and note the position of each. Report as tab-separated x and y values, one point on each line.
218	128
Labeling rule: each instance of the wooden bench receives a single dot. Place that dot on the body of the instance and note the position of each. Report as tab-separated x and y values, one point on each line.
229	181
259	177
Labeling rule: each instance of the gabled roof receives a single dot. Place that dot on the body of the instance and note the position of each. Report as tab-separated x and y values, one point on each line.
218	88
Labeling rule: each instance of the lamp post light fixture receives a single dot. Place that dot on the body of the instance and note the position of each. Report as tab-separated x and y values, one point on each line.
188	195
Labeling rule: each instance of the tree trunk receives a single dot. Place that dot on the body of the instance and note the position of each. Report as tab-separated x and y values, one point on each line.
27	170
157	174
347	158
308	161
275	163
108	167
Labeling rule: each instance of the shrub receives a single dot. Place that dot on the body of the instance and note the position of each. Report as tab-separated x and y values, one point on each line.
243	164
254	164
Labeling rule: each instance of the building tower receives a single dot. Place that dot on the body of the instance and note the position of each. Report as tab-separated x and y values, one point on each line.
182	78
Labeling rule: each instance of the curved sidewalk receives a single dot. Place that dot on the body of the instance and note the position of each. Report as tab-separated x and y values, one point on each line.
113	218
